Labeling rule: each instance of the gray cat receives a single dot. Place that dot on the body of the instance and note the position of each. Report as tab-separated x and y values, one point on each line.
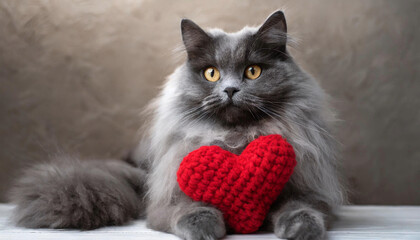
233	88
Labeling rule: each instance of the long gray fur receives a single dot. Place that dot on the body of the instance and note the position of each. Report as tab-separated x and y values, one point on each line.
68	193
192	112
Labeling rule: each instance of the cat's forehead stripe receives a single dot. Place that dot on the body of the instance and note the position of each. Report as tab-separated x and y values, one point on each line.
231	47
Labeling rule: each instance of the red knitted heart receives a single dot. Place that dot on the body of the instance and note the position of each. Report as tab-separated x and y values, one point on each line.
243	187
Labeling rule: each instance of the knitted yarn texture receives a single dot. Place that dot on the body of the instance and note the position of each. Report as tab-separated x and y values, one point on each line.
242	186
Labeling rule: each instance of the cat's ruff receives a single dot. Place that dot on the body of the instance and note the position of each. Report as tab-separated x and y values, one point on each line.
243	187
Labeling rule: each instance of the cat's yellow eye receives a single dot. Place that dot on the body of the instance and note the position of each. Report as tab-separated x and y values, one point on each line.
253	72
212	74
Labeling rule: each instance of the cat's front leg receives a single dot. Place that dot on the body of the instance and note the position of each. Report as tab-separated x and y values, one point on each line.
300	219
189	220
199	223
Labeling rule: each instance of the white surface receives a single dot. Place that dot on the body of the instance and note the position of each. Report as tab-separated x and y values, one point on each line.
355	222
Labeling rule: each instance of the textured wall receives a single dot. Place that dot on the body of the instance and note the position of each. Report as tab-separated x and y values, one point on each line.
75	74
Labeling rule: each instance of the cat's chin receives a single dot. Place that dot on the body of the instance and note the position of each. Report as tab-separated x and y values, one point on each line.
235	115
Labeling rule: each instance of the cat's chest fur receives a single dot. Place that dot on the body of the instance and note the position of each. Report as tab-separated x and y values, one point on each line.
233	139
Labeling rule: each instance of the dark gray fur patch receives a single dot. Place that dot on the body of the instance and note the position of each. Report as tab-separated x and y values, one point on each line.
74	194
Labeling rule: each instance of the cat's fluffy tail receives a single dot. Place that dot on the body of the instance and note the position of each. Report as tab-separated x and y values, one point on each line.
69	193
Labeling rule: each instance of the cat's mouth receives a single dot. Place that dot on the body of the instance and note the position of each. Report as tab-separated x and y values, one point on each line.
231	111
231	105
235	112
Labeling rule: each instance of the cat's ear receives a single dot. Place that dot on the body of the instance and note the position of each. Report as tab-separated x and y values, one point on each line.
274	31
195	39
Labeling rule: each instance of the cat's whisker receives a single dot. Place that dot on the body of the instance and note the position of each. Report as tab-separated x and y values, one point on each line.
211	103
251	112
202	112
316	127
191	114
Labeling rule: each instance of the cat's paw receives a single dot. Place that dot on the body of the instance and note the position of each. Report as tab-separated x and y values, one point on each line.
303	224
203	223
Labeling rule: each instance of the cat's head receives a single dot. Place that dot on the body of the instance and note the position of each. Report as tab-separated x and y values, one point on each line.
237	78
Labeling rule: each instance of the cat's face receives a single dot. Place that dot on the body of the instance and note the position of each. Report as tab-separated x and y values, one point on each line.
237	78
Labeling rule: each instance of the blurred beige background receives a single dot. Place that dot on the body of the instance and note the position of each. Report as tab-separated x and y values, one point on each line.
74	76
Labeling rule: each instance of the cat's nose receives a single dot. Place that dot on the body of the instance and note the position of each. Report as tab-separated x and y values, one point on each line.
230	91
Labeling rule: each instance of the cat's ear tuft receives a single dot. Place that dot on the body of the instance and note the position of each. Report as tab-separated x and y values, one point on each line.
274	30
193	36
276	22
